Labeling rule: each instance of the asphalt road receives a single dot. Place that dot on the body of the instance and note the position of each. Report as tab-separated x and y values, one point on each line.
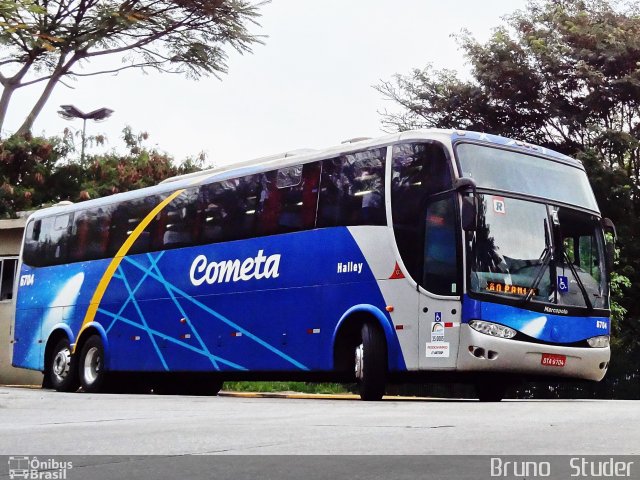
38	422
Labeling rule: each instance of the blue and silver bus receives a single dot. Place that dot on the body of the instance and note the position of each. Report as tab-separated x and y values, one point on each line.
432	255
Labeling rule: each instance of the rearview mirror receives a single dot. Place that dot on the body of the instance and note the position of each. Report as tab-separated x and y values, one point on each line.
469	213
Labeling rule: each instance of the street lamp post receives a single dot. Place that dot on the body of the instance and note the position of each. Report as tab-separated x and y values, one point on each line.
69	112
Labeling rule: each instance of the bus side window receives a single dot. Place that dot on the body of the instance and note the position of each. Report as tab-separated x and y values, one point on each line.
309	194
419	170
227	209
269	205
125	218
352	190
139	210
210	214
98	221
32	232
288	199
240	200
53	240
174	226
80	237
440	252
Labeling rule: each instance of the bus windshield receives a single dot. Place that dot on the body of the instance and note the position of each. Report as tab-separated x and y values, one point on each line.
509	171
537	253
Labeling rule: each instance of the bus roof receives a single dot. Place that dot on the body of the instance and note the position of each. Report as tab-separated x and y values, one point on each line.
296	157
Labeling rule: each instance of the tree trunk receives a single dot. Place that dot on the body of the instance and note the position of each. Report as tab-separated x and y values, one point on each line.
37	108
7	92
10	86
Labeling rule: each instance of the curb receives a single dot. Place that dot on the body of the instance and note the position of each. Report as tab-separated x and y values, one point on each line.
314	396
299	396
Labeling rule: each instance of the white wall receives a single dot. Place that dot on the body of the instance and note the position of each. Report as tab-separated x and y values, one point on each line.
10	239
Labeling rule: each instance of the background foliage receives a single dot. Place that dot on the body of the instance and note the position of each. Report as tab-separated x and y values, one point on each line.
37	172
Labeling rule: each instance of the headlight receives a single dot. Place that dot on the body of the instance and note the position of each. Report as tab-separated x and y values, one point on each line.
493	329
601	341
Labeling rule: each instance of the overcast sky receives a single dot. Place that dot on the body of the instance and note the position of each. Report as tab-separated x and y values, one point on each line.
308	86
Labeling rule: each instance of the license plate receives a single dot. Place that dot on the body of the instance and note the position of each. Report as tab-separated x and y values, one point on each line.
553	360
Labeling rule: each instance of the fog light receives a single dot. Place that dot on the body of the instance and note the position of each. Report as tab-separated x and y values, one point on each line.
493	329
601	341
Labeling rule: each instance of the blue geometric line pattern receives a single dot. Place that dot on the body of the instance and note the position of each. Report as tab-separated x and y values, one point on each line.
213	313
120	275
154	265
141	315
154	262
168	338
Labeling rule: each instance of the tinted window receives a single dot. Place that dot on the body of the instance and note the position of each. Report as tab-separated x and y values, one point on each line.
90	234
125	217
352	190
51	236
176	226
30	243
288	199
419	171
227	209
440	265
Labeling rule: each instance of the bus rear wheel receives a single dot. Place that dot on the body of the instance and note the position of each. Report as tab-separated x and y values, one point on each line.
91	366
371	363
62	374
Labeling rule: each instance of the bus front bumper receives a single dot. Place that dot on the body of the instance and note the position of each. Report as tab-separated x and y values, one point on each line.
483	353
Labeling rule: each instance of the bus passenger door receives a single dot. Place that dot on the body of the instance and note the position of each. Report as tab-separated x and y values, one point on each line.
439	332
439	305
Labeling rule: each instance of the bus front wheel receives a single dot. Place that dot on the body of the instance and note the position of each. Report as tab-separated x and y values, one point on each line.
371	363
91	366
62	374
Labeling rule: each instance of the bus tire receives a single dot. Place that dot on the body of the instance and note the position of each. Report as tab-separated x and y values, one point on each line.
62	373
491	390
91	366
371	363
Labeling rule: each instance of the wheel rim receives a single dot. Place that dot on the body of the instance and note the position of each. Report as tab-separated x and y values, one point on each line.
61	364
359	361
92	365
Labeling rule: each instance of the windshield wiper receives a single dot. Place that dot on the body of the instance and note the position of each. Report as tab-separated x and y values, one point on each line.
583	289
545	257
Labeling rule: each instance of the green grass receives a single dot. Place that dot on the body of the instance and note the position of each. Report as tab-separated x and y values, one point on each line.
273	387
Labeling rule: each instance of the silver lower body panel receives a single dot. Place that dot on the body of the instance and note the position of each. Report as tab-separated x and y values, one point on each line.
483	353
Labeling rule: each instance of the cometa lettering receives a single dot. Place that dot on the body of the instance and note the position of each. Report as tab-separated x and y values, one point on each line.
225	271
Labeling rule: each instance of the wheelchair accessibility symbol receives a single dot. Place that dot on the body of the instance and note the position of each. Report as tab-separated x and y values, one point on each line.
563	284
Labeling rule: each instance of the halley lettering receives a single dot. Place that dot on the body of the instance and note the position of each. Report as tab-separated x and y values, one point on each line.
350	267
202	270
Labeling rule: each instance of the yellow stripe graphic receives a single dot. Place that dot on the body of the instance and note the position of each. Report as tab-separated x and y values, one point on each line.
115	262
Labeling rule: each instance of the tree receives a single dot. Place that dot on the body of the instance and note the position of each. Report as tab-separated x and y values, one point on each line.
48	40
564	74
